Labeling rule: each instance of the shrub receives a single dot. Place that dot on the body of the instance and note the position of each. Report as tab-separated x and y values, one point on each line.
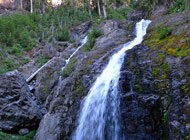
91	39
69	68
63	35
165	32
141	5
16	50
25	60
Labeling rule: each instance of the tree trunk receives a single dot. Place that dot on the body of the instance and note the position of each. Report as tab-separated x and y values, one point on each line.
104	8
90	12
99	10
31	6
21	4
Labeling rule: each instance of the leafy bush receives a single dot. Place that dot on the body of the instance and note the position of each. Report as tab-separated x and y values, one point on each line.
118	14
63	35
165	32
16	29
25	60
69	68
177	7
16	50
91	39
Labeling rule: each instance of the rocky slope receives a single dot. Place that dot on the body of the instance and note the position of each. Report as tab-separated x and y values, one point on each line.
64	103
154	82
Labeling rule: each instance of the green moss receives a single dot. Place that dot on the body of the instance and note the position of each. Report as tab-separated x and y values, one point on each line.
165	32
164	76
166	67
161	56
46	88
156	71
185	89
175	45
5	136
69	68
138	87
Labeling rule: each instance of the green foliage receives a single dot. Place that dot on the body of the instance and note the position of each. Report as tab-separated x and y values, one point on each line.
69	68
5	136
16	50
7	65
156	71
16	30
63	35
138	87
161	56
164	32
166	67
91	39
118	14
187	6
141	4
41	60
165	117
25	60
177	7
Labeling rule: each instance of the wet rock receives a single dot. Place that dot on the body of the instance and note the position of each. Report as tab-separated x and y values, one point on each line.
23	131
17	107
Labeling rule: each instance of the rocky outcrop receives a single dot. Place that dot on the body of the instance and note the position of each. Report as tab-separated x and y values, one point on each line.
114	33
154	103
78	32
137	15
63	105
18	109
47	78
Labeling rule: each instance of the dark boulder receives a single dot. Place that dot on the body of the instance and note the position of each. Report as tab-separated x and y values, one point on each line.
137	15
18	108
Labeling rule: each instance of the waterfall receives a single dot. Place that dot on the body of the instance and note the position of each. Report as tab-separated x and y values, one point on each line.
82	44
99	116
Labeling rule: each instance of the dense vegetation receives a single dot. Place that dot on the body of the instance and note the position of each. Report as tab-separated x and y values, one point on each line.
20	32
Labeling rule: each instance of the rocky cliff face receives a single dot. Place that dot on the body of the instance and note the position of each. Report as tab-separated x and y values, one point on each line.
18	107
155	82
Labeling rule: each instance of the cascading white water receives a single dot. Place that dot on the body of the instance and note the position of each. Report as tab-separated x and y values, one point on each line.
99	117
82	44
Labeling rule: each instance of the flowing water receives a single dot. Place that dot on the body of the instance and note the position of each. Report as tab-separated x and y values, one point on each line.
82	44
99	116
